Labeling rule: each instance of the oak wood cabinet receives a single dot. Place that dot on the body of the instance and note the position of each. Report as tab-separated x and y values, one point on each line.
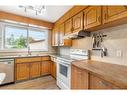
55	36
98	83
53	69
34	69
27	70
45	58
92	17
112	13
77	22
31	67
22	71
61	34
62	41
27	59
79	78
45	67
68	26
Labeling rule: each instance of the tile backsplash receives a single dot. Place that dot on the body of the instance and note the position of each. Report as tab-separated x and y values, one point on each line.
115	41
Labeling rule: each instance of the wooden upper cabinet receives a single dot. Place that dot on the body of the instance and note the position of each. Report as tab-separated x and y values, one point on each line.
68	26
78	22
92	17
55	36
112	13
62	41
22	71
79	78
61	35
34	69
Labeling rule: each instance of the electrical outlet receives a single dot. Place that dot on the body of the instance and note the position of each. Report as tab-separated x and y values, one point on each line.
119	53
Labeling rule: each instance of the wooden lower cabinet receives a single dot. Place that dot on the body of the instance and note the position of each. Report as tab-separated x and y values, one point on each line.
35	69
45	67
22	71
53	69
98	83
26	71
79	78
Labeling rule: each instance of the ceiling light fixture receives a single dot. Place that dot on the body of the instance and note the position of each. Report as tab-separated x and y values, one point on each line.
37	9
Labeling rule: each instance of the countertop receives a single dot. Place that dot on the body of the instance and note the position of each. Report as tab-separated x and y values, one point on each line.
37	55
113	73
22	56
61	56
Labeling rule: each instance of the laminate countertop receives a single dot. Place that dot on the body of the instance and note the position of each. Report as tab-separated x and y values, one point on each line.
22	56
113	73
67	57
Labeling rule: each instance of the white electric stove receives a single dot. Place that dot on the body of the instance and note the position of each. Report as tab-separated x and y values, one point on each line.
64	66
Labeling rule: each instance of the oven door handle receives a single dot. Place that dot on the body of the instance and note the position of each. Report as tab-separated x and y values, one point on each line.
65	64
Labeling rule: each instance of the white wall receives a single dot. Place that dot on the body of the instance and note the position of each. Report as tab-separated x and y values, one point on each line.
116	40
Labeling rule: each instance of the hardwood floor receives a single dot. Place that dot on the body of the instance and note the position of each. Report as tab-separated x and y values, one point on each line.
47	82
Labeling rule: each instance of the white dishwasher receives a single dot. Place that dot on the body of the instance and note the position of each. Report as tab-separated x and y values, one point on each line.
6	71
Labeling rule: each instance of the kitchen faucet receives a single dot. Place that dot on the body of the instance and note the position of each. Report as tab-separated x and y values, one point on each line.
29	52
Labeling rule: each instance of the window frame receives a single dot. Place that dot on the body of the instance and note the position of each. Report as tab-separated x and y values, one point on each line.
3	30
38	29
14	49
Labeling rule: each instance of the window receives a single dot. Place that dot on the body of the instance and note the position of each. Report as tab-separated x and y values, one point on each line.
37	40
17	37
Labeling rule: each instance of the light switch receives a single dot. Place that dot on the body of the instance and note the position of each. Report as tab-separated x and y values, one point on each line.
119	53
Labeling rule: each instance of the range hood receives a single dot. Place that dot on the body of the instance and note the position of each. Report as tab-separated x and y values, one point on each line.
77	35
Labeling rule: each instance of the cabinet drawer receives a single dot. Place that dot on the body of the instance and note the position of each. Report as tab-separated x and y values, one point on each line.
46	58
23	60
98	83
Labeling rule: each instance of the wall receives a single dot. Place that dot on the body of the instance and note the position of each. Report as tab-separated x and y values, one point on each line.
13	17
116	40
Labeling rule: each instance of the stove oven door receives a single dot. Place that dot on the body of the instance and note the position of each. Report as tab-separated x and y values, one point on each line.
63	75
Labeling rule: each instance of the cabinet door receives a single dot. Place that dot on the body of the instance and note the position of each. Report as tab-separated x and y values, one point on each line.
62	41
53	69
61	35
92	17
79	78
45	67
34	69
98	83
55	37
112	13
22	71
78	22
68	26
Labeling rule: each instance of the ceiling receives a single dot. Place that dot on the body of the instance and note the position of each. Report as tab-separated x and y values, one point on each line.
52	13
